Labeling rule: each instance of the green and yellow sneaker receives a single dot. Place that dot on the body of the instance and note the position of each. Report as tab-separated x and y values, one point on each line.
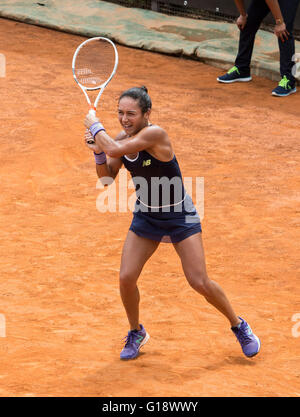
234	75
284	88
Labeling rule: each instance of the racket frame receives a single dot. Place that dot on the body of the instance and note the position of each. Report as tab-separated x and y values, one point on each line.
100	87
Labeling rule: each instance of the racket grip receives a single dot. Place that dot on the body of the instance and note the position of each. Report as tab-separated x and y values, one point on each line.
91	141
93	113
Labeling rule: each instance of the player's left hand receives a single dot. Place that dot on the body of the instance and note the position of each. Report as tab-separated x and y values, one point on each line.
281	32
90	119
88	137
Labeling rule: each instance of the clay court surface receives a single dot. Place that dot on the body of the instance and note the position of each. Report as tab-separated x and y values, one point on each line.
60	257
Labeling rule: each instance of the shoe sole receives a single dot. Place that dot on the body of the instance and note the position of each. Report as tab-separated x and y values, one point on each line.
284	95
241	80
147	337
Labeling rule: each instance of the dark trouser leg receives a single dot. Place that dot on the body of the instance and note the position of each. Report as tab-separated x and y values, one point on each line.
257	11
287	48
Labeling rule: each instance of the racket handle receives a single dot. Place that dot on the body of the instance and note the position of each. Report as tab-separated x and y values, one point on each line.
93	113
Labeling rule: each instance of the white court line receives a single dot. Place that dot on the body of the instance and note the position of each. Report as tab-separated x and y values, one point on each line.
2	65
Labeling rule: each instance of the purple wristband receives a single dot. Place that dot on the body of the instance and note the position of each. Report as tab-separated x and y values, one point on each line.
95	128
100	158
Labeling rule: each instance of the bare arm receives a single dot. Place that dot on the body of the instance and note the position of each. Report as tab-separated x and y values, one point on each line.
242	19
147	138
110	168
241	7
280	28
275	10
112	165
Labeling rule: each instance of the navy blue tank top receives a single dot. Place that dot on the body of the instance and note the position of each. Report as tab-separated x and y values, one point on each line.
158	184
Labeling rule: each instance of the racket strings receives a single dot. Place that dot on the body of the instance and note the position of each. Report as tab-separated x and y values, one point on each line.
94	63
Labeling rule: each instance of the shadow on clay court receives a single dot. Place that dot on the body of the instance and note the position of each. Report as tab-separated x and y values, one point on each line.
162	372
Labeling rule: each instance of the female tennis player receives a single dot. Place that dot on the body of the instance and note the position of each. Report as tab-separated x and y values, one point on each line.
163	213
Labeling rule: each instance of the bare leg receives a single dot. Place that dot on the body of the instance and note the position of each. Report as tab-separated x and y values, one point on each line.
136	252
191	253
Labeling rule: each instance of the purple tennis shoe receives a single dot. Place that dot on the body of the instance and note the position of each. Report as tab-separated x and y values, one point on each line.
249	342
134	341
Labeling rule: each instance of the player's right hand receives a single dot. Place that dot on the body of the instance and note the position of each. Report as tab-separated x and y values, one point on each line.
93	146
241	21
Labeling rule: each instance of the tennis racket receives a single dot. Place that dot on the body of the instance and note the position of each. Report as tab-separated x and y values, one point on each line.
94	64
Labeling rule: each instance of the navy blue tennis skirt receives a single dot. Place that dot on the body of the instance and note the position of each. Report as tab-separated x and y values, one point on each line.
169	227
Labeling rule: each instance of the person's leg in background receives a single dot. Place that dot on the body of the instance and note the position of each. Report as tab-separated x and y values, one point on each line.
256	12
287	85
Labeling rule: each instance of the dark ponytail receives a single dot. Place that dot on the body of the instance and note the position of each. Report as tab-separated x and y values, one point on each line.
144	89
140	94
